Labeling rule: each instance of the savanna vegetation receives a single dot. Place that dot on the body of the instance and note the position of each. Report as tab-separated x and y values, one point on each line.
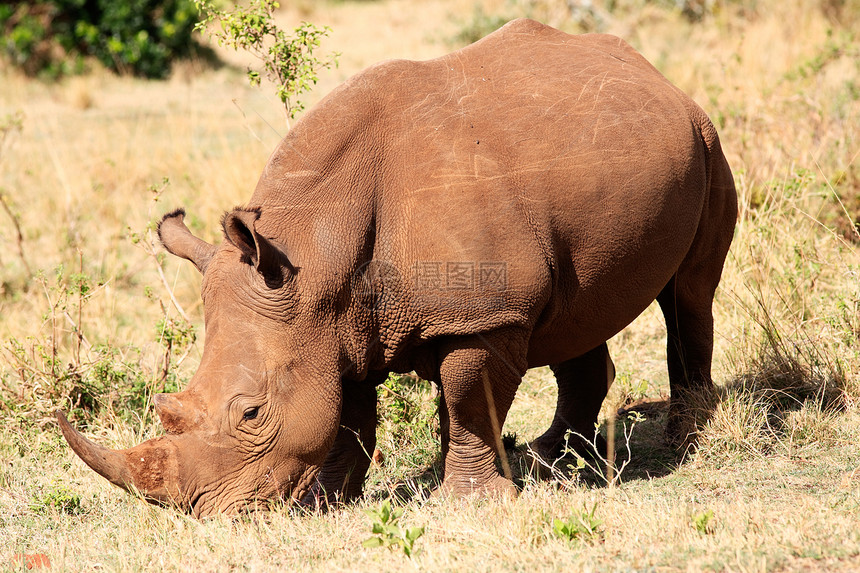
95	318
56	37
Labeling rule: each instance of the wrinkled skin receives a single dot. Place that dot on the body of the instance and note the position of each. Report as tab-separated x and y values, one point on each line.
510	205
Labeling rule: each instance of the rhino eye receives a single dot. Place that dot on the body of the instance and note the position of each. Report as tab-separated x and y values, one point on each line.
250	413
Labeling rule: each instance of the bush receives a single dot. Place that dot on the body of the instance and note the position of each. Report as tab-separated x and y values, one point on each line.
141	37
287	60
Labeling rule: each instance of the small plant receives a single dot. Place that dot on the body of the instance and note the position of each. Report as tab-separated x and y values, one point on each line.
604	467
404	399
150	244
387	531
287	60
632	390
58	499
408	429
703	521
407	436
583	525
396	393
63	368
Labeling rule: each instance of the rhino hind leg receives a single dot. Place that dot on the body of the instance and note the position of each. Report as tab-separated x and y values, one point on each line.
479	376
583	383
341	477
689	351
687	301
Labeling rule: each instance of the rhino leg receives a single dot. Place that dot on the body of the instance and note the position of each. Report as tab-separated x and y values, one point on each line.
479	377
686	302
689	350
341	477
687	299
582	386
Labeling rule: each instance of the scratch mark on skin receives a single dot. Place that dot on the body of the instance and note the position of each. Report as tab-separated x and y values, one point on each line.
646	102
312	173
603	83
539	167
585	86
424	103
598	126
558	102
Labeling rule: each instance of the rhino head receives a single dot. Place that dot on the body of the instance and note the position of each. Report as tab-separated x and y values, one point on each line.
262	411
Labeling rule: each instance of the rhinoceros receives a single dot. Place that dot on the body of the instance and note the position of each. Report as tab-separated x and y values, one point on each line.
510	205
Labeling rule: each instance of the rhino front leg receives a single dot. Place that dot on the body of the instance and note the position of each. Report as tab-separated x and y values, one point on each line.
479	377
582	386
341	477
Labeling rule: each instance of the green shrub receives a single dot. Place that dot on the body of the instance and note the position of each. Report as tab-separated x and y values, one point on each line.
288	60
57	498
140	37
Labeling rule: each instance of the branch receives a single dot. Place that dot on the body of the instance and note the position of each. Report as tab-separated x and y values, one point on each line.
19	237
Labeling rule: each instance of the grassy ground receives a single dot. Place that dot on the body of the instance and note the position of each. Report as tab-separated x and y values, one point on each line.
775	484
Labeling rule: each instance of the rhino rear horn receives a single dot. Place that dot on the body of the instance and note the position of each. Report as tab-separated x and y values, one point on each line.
150	469
270	260
173	413
177	239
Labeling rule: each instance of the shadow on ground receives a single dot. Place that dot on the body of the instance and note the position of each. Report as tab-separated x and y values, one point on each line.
642	451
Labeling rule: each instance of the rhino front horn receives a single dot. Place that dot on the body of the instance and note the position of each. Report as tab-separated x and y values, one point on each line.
150	469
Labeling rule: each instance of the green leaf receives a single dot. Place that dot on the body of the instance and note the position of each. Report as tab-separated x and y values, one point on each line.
414	533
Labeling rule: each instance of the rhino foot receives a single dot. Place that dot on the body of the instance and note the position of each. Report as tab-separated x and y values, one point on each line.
497	487
689	411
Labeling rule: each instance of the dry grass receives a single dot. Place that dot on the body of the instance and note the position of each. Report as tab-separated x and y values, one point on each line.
778	462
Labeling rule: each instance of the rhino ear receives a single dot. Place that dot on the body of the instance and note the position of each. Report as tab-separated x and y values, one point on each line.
177	239
270	260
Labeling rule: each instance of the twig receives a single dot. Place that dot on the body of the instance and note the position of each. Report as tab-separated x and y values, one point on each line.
497	428
80	337
169	289
185	354
610	428
53	328
19	237
165	364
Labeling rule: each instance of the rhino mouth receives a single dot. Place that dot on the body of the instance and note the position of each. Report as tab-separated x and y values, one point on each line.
207	503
